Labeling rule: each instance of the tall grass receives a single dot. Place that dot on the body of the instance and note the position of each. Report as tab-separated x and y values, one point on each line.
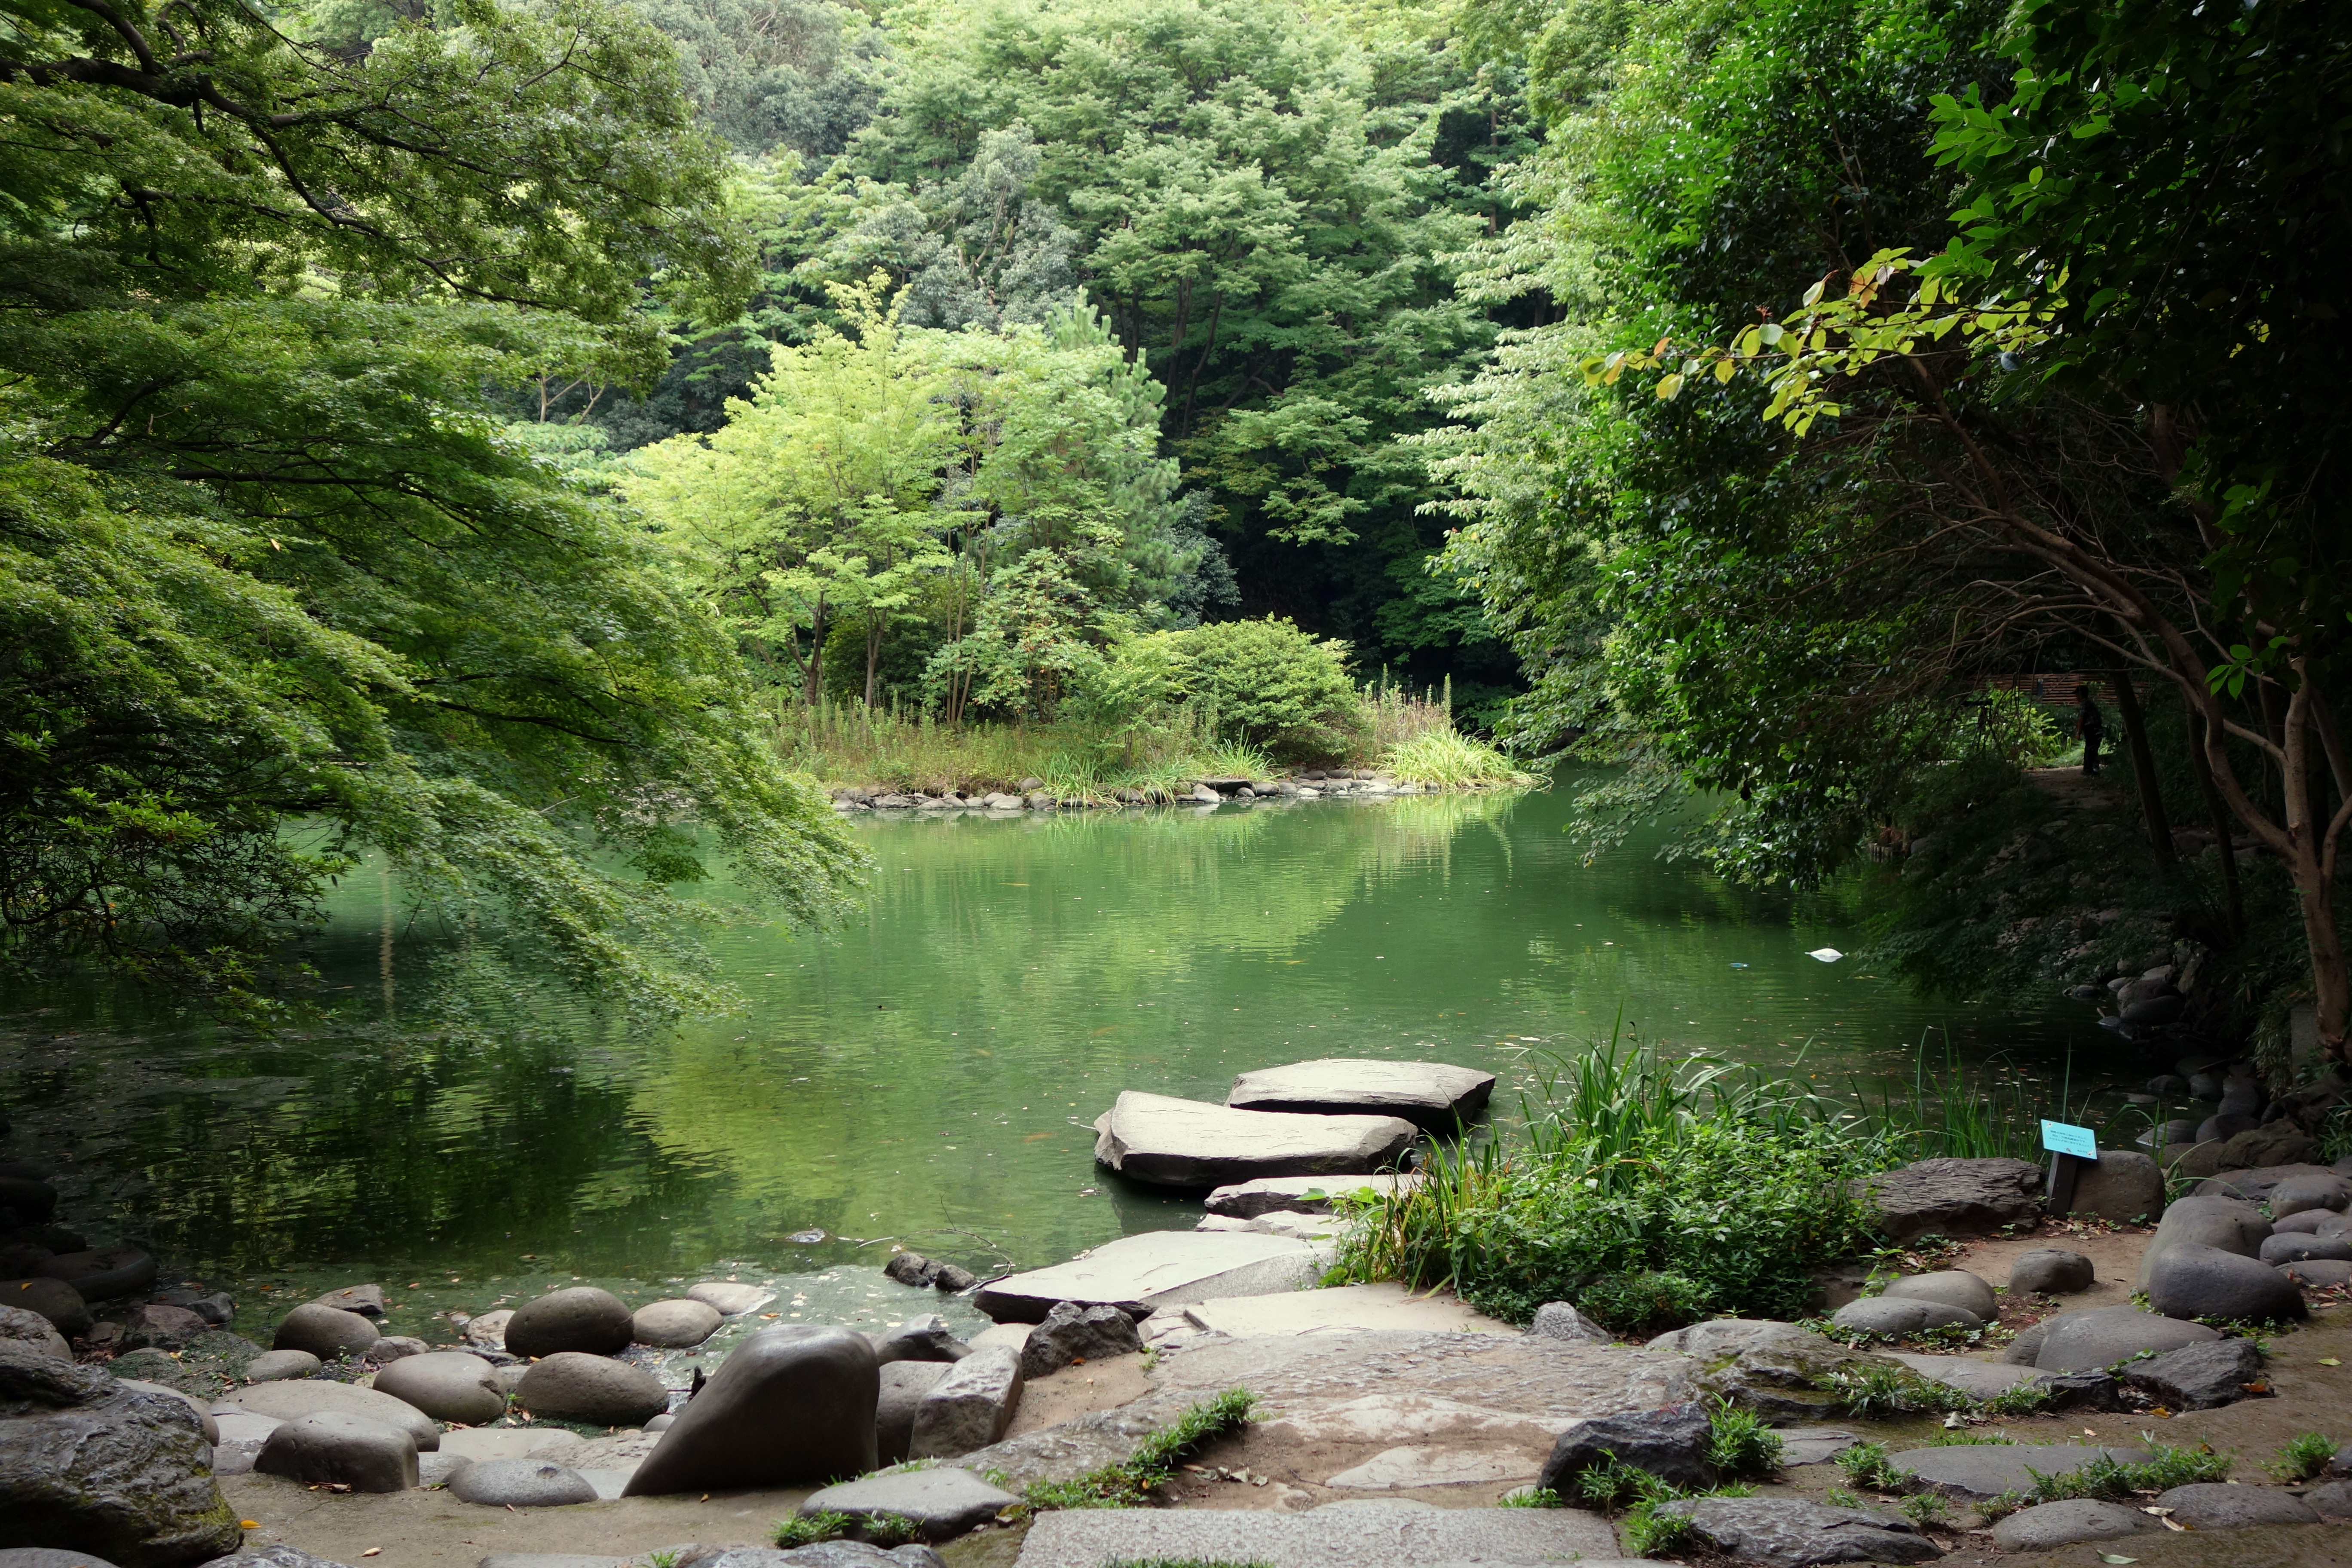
1454	761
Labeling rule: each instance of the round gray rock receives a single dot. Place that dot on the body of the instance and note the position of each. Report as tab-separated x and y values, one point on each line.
270	1366
2231	1224
675	1325
2050	1271
447	1385
1560	1321
326	1332
573	1386
2331	1501
2296	1247
1952	1287
328	1448
54	1299
2318	1275
203	1416
1893	1315
2122	1187
2077	1341
293	1399
2055	1524
2191	1282
944	1503
520	1483
34	1329
582	1319
2301	1193
393	1347
2307	1222
2218	1505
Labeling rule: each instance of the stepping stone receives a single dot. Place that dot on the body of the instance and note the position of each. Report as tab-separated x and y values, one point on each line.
290	1401
2054	1524
731	1299
1815	1445
1433	1095
1975	1471
2218	1505
1157	1269
1977	1379
1392	1532
1782	1532
1301	1194
944	1503
1177	1142
1343	1309
1403	1470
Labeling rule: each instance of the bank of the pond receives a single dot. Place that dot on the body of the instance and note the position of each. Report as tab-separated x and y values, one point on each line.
1032	793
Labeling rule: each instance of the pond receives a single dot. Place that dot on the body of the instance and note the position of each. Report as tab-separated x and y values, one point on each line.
928	1075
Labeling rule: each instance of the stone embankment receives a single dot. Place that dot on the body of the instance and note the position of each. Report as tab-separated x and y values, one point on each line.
1392	1427
1032	794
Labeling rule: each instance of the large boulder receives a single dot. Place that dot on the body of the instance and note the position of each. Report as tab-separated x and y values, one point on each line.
2082	1341
2278	1144
1157	1269
1296	1194
294	1398
2228	1224
2122	1187
788	1407
326	1332
2294	1247
2200	1376
2191	1282
572	1385
1955	1197
2256	1184
970	1407
1435	1095
54	1299
2329	1192
1950	1287
1775	1369
152	1325
904	1384
520	1483
447	1385
270	1366
329	1448
88	1465
675	1325
582	1319
34	1329
1074	1333
367	1300
1894	1317
1177	1142
1670	1443
1784	1533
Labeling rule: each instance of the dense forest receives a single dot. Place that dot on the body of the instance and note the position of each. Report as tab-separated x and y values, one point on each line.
444	427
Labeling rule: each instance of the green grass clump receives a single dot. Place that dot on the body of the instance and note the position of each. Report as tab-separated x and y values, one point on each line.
808	1529
1128	1482
1867	1468
2111	1480
1533	1497
1872	1392
1738	1443
1452	760
2303	1456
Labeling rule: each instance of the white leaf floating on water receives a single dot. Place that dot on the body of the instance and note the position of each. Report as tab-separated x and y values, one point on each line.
1826	954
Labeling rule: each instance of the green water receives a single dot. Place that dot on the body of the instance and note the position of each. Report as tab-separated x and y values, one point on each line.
928	1077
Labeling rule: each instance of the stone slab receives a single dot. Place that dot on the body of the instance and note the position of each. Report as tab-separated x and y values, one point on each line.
1977	1379
1415	1466
1174	1143
1815	1445
1303	1195
1396	1535
1157	1269
1435	1095
1342	1310
1981	1470
945	1502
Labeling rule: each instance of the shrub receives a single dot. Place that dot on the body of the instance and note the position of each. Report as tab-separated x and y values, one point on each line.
1264	682
1738	1443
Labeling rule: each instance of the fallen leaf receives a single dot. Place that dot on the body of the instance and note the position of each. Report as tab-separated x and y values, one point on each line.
2171	1524
372	1551
2088	1432
248	1524
2111	1557
2329	1361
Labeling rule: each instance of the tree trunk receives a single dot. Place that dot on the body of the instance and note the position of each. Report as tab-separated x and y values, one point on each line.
816	687
2310	862
873	654
2151	798
2217	815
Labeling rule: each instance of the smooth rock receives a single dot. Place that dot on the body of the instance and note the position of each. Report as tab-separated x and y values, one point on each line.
2218	1505
32	1328
1977	1379
1670	1444
582	1319
2051	1525
2301	1193
1157	1269
1955	1197
2331	1501
1414	1467
204	1422
969	1408
393	1347
1979	1471
925	1337
2256	1184
367	1300
54	1299
447	1385
242	1434
943	1502
903	1385
2123	1186
1775	1369
1390	1533
731	1298
788	1405
572	1385
103	1274
2192	1281
153	1326
1782	1532
1177	1142
348	1450
327	1333
2298	1249
1952	1287
1072	1333
2083	1342
2050	1271
91	1465
2318	1276
1561	1321
1300	1195
520	1483
2199	1377
1893	1315
2231	1224
292	1400
1435	1095
489	1329
270	1366
675	1325
2303	1222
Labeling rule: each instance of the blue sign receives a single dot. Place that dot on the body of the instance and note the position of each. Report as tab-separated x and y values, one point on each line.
2060	1139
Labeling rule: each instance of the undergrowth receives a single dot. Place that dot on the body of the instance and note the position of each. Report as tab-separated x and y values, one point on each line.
2304	1456
1127	1483
2114	1480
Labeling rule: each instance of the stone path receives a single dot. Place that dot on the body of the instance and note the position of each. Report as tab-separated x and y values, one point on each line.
1159	1268
1336	1535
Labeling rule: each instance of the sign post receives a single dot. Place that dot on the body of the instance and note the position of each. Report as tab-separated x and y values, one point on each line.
2071	1148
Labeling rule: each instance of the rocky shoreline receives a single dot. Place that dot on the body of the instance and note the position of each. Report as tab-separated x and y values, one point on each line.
1031	795
1408	1428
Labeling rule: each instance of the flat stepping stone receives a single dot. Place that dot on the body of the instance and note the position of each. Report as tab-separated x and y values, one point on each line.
2054	1524
1394	1534
1975	1471
1406	1468
1343	1309
1157	1269
944	1503
1815	1445
1435	1095
1296	1194
1783	1532
2218	1505
1174	1143
1977	1379
731	1298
